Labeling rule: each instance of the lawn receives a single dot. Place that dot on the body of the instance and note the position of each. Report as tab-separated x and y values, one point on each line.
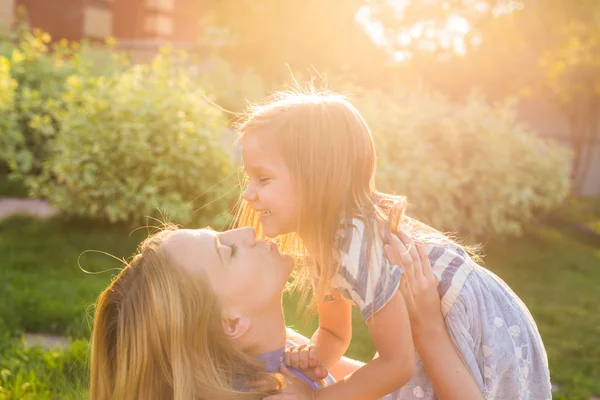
43	286
43	289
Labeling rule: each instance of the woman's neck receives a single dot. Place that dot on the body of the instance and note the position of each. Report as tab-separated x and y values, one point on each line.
267	331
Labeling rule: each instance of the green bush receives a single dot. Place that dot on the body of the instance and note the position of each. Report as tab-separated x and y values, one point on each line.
34	373
130	144
8	123
116	142
40	74
468	168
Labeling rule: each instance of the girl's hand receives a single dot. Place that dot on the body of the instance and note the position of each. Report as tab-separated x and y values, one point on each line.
295	388
419	286
305	358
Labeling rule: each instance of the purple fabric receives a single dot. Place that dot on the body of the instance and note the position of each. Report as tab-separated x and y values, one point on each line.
274	359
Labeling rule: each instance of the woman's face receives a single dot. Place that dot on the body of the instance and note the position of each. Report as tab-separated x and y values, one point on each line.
246	274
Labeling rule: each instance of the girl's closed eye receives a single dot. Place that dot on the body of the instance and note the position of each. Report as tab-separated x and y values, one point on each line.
263	179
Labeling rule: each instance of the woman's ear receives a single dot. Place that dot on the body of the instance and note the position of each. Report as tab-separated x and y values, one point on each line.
236	327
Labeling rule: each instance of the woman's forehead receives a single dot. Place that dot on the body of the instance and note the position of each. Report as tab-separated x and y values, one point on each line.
187	246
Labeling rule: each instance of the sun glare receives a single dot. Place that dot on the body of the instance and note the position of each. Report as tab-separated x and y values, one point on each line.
425	35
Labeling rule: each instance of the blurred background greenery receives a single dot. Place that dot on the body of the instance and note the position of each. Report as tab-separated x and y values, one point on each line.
485	114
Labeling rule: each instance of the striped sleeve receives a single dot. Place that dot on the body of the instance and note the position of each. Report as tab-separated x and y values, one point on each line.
452	265
365	274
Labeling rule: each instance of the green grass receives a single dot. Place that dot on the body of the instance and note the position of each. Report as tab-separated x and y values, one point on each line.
42	289
33	373
557	277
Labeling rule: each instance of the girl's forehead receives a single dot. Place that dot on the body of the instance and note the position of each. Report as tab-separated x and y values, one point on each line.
260	152
259	140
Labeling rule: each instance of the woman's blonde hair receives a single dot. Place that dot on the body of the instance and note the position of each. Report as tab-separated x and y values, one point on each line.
330	153
158	334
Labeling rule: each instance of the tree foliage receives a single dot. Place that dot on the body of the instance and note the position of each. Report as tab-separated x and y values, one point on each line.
549	48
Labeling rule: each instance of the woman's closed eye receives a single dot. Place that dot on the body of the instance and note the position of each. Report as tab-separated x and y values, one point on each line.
234	249
263	179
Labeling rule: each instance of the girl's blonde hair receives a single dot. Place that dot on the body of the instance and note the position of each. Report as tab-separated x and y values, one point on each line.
158	335
330	153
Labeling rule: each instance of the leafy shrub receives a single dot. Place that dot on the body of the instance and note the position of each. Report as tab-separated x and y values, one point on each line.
8	123
40	75
10	187
468	168
130	144
34	373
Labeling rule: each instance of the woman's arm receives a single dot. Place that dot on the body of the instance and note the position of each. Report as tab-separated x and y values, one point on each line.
449	376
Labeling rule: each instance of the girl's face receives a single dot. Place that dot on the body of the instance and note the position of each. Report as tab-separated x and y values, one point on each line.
270	191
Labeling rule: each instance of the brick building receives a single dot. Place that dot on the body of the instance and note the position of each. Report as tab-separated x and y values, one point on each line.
140	26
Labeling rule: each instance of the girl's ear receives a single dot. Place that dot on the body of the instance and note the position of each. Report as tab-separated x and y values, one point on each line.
236	327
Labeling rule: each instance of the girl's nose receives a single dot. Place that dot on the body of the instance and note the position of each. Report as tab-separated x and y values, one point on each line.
249	194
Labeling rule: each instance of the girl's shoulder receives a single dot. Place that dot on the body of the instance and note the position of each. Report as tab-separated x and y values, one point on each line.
354	231
349	229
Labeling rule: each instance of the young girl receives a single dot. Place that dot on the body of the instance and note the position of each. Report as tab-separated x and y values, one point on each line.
310	162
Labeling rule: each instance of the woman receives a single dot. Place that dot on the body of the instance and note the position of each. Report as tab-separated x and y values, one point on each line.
196	315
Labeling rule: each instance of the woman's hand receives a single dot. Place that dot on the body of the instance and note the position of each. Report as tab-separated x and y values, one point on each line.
419	286
295	388
450	377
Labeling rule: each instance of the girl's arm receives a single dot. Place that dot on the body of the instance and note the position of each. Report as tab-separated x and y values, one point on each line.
339	370
448	374
390	331
334	334
330	340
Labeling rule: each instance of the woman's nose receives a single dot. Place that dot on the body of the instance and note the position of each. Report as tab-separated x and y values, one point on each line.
249	194
245	236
